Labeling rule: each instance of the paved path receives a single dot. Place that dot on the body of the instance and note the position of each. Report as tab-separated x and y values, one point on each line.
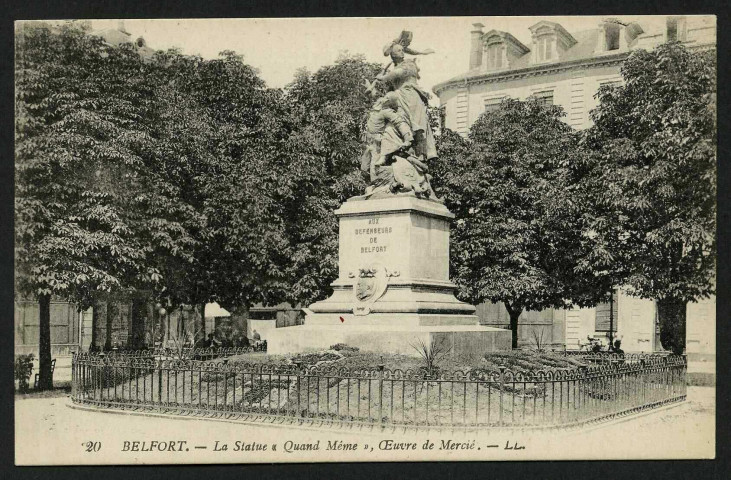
49	432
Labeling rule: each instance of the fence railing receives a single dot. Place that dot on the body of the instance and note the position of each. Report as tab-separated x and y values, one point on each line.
202	354
609	387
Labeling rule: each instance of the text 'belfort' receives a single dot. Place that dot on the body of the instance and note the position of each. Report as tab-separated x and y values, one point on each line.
373	230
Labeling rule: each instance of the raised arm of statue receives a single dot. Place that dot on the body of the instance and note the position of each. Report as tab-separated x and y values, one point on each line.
404	41
411	51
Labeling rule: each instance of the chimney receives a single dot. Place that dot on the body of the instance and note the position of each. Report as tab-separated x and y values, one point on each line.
476	46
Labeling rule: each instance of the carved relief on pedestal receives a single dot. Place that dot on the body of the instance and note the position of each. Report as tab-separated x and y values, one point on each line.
370	284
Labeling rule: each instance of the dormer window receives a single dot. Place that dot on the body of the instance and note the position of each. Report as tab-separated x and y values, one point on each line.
500	49
545	48
672	29
675	29
494	56
613	36
550	40
611	32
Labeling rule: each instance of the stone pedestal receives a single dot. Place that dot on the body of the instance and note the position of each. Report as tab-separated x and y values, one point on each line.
393	289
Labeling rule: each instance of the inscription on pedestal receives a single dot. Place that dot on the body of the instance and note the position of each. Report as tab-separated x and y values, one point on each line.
373	235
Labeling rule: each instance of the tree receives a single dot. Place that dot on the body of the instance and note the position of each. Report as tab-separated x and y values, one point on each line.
245	190
653	181
70	238
326	112
94	202
517	230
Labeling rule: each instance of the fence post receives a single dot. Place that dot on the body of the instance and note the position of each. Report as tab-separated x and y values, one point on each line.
100	370
159	383
666	377
502	387
73	376
583	387
380	394
642	379
684	371
298	364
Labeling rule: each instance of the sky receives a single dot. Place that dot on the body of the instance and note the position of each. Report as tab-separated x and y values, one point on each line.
279	47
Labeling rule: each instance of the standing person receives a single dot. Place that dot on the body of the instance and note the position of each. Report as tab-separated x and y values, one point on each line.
256	336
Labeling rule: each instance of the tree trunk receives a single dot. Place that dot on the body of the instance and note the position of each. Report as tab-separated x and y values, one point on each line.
202	333
671	313
95	308
45	377
514	313
111	309
137	321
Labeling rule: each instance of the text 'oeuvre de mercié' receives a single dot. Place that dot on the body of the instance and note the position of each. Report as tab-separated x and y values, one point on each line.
372	229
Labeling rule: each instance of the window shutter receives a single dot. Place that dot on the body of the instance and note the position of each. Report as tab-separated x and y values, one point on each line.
601	321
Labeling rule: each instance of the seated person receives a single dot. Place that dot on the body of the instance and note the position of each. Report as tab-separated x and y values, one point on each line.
616	349
212	342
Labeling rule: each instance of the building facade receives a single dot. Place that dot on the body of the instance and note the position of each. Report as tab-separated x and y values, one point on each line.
565	68
558	67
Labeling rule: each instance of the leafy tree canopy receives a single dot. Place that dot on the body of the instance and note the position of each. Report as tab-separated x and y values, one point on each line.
651	181
517	228
327	110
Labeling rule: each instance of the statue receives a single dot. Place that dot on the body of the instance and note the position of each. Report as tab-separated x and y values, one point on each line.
398	135
387	132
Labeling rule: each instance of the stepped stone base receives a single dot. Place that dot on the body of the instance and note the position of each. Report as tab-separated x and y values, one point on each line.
393	289
470	342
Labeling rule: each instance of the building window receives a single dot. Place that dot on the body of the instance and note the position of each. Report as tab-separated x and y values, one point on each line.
544	98
545	48
602	318
611	83
494	56
611	32
492	104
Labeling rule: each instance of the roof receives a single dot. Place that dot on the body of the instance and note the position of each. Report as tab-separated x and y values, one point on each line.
113	36
558	28
583	49
215	310
116	37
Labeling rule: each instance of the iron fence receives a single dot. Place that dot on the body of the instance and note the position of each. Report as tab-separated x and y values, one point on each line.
610	386
187	353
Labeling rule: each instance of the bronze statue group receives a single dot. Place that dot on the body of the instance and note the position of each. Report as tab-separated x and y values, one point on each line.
399	139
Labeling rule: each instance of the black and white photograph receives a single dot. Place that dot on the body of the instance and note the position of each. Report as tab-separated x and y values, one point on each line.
352	239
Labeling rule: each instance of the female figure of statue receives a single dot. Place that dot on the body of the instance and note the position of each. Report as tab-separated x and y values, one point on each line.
412	99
